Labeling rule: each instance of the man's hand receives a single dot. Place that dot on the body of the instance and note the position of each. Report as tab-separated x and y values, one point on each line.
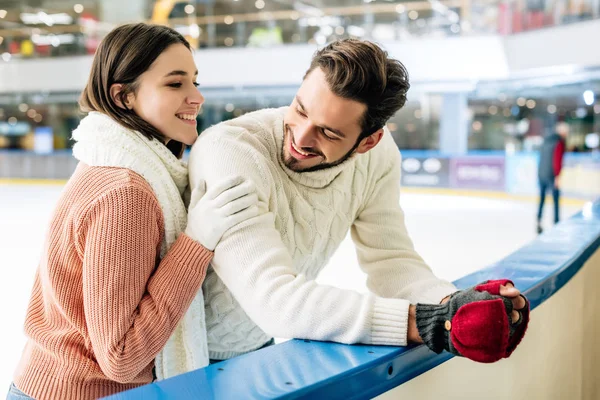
518	301
557	182
513	294
484	323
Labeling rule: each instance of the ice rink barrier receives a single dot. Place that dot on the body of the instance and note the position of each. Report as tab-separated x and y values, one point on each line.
559	358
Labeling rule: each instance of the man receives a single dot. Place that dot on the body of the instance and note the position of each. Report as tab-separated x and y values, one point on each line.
550	166
323	166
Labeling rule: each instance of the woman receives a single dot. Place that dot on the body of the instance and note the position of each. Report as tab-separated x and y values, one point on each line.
119	267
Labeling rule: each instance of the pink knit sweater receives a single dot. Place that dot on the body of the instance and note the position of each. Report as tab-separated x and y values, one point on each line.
103	304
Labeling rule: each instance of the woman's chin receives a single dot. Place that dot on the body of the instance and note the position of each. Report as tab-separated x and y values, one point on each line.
191	140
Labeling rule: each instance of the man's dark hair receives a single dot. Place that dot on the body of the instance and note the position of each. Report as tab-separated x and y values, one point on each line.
360	70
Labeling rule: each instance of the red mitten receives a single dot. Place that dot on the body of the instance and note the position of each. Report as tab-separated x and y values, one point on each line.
473	323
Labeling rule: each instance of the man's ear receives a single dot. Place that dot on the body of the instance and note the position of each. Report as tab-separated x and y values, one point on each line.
115	95
369	142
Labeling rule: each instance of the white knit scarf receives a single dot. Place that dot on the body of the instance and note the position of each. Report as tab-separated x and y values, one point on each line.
102	142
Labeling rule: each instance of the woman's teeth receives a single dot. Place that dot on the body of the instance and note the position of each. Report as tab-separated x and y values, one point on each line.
189	117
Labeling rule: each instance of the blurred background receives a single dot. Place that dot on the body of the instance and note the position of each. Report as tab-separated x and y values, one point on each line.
489	77
489	80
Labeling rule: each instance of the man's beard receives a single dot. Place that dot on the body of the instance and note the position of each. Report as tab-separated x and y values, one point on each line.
290	162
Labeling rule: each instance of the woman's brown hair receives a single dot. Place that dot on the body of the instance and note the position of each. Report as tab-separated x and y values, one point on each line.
123	55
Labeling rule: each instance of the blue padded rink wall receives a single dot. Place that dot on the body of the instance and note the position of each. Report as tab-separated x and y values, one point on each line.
300	369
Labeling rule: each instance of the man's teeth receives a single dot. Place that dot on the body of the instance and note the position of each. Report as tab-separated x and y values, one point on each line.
189	117
300	151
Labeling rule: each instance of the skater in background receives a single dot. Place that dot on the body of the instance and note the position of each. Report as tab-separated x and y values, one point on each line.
550	166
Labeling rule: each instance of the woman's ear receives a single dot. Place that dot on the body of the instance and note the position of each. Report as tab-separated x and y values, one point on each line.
115	95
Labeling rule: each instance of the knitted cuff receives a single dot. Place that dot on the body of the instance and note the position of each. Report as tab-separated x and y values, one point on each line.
431	323
389	324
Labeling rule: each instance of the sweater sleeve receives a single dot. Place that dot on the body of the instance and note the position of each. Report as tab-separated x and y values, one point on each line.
385	251
132	305
257	267
557	157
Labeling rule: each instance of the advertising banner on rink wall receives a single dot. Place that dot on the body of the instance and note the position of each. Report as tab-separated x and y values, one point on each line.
512	173
484	173
425	171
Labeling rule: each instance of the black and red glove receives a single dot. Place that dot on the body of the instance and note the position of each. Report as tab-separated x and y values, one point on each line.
474	323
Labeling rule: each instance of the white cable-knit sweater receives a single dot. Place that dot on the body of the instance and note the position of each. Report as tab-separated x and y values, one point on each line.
262	280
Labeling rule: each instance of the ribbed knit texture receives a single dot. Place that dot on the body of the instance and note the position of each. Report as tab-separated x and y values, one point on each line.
103	142
101	306
430	323
262	280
